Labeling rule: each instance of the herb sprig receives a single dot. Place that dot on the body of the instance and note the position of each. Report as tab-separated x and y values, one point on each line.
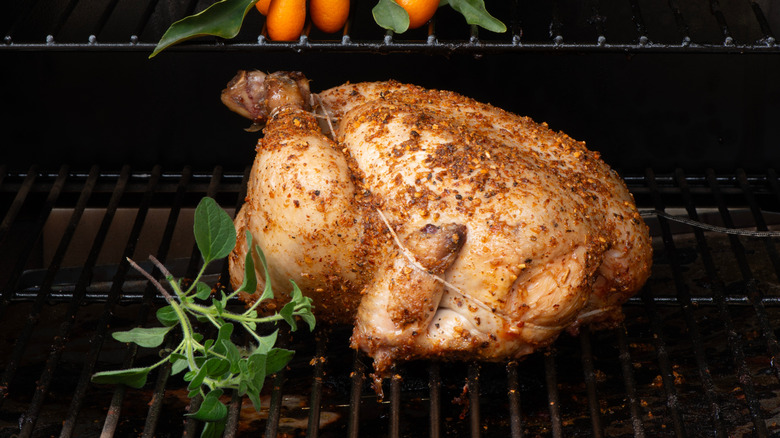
214	365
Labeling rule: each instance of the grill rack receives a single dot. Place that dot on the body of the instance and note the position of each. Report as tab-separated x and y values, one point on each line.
628	26
666	372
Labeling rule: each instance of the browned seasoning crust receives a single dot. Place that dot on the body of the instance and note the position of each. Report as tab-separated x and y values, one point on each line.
500	232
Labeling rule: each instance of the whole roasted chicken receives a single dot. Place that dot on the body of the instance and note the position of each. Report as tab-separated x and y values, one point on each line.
440	226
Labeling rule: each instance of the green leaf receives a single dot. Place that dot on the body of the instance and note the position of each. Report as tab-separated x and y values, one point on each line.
167	316
288	314
475	13
211	409
203	291
132	377
233	355
266	343
250	277
277	359
214	231
197	378
225	331
257	372
213	429
216	367
268	293
145	337
391	16
178	366
222	19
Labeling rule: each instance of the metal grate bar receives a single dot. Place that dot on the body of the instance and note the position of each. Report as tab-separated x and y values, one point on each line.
357	377
315	401
553	398
26	250
686	306
395	405
115	408
58	345
101	22
17	203
679	21
639	22
63	18
721	19
766	327
664	362
23	338
473	385
556	26
590	382
734	338
630	382
434	387
769	37
144	20
598	21
162	253
515	408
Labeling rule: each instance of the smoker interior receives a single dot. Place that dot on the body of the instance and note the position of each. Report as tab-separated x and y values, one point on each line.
105	155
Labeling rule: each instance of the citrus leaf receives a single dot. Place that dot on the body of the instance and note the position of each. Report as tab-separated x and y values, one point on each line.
214	230
391	16
222	19
132	377
145	337
475	13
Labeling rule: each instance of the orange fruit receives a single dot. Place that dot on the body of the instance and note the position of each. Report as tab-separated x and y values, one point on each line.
420	11
262	6
329	15
286	19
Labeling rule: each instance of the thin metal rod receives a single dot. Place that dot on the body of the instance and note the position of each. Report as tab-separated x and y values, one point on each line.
590	382
515	408
630	381
63	332
315	400
434	391
553	398
395	405
24	335
474	411
16	205
357	377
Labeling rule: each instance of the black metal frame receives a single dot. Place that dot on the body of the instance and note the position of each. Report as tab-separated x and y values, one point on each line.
472	41
629	377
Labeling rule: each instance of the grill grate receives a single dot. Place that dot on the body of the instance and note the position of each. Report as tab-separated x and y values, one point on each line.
633	26
695	357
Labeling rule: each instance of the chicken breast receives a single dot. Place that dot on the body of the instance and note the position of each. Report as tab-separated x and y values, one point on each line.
440	226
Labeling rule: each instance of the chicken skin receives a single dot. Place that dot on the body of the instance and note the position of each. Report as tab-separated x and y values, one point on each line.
439	226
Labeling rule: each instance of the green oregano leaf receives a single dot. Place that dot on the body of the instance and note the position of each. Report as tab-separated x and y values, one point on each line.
132	377
213	429
214	231
167	316
178	366
145	337
391	16
268	293
250	277
222	19
277	359
211	409
265	343
202	290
